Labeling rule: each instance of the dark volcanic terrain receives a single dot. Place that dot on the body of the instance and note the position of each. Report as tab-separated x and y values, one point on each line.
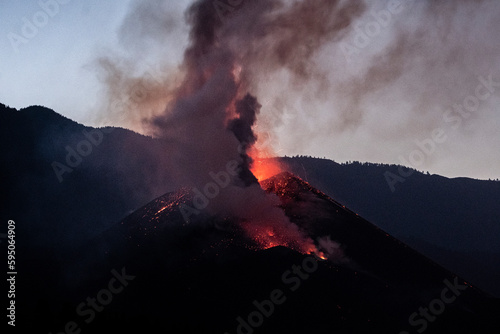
208	276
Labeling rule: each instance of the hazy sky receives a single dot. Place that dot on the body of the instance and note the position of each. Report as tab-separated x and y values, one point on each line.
427	72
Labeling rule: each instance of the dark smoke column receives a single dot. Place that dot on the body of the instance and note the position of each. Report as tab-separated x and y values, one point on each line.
247	110
211	111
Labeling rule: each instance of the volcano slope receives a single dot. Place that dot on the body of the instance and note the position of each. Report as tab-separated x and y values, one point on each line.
208	276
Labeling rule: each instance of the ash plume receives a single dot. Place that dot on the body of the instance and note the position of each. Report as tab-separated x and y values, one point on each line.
206	110
288	54
229	54
247	110
394	90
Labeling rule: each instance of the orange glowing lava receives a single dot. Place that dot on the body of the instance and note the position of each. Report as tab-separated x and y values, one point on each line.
264	168
313	250
266	236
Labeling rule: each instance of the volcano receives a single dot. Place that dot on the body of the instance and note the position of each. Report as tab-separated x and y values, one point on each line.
210	275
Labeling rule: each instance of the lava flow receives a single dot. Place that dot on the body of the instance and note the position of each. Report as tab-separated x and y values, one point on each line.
267	235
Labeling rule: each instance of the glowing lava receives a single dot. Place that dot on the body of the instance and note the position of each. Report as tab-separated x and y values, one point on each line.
264	236
263	169
267	236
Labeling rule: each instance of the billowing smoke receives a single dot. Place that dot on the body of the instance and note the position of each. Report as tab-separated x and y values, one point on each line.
260	40
332	250
397	76
247	110
206	110
359	81
228	55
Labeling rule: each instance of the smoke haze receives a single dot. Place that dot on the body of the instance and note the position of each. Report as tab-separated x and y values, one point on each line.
304	63
208	107
340	72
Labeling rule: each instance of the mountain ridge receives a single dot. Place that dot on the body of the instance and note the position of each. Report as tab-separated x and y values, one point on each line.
375	291
132	168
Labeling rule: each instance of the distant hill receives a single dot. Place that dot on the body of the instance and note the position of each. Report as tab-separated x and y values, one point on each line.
458	214
456	222
116	174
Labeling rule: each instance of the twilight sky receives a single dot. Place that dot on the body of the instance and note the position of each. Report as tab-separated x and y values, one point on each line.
417	84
